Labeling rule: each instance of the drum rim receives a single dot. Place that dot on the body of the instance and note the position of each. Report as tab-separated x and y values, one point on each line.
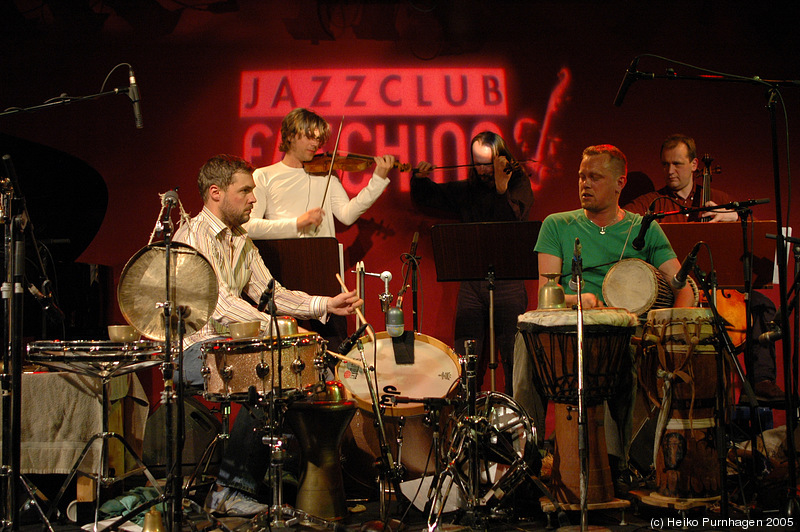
250	345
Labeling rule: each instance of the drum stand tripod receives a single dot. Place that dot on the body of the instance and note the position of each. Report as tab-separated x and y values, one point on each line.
477	446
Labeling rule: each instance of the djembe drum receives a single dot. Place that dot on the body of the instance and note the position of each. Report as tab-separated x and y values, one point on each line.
552	341
635	285
678	373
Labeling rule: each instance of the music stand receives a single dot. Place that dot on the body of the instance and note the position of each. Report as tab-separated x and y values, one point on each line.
310	265
723	237
481	251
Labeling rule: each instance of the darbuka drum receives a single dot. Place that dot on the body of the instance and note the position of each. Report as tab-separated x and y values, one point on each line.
637	286
231	367
552	341
434	372
96	358
678	347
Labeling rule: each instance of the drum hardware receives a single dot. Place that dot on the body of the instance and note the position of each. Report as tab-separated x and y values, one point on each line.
103	360
491	453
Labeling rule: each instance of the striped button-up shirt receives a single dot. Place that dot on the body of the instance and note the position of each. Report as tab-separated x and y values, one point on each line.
240	269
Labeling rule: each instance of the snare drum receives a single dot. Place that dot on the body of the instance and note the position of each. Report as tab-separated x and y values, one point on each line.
635	285
678	346
434	373
231	367
96	358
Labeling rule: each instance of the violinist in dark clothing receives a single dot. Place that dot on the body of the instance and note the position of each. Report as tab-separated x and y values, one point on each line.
496	190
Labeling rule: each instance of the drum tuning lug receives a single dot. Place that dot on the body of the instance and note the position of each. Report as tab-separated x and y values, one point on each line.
298	366
262	370
205	371
227	372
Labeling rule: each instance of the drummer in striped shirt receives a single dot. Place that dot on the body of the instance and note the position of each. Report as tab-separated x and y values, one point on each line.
226	186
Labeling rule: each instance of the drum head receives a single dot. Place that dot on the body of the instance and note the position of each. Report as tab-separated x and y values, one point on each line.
635	285
142	289
434	372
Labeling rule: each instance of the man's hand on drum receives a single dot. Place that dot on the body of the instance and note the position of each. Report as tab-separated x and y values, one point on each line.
344	304
587	300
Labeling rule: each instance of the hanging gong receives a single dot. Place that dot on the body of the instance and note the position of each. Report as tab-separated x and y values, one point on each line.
141	292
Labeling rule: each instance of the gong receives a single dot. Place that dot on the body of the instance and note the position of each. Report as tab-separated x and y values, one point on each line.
142	289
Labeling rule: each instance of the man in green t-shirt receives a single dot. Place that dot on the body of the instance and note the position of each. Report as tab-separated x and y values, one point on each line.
606	233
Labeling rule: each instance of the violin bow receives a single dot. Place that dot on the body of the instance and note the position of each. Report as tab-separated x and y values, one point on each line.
333	159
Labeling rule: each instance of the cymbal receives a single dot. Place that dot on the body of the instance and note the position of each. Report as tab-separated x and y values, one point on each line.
142	289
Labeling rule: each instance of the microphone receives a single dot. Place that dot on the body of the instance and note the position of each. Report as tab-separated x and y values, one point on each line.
678	281
577	267
638	242
386	297
395	322
774	333
46	301
770	336
414	242
169	198
627	81
348	344
266	296
133	94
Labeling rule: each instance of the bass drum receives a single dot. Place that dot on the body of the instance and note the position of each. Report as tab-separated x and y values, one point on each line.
434	372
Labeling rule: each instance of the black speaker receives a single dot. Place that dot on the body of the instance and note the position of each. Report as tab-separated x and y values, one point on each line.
201	428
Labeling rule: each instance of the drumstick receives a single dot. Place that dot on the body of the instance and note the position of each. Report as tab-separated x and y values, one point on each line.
358	310
342	357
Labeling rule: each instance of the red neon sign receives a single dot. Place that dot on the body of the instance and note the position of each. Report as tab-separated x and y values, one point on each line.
375	92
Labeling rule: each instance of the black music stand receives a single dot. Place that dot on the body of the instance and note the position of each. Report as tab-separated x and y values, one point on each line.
722	238
481	251
310	265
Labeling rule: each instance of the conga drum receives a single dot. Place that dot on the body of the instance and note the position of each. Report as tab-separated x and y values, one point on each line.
678	373
552	340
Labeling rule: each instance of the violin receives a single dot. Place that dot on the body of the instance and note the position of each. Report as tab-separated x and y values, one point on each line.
347	162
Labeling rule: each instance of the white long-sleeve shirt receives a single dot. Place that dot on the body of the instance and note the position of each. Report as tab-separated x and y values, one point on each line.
240	269
284	193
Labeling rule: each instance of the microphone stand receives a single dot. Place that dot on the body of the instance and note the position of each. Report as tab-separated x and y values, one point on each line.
17	222
708	283
390	470
793	505
173	393
583	448
65	100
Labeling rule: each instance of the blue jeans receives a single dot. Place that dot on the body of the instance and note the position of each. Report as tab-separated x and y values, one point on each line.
246	459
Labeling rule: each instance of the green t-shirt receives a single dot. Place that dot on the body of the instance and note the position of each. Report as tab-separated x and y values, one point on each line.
599	251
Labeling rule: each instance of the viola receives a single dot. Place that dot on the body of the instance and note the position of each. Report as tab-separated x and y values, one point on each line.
346	162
